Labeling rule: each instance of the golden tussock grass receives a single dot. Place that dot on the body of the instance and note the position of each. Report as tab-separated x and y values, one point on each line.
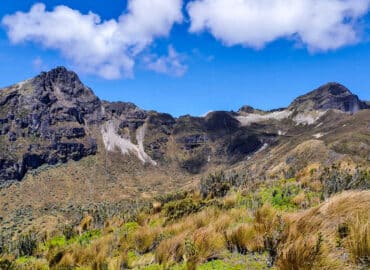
230	201
244	239
266	220
203	218
315	185
171	250
300	199
310	240
143	240
94	254
85	224
358	241
208	243
157	207
222	223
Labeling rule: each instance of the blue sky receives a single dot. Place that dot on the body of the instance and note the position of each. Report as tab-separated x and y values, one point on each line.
192	61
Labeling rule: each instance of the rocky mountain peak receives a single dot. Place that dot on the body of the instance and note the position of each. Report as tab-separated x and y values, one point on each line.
43	121
329	96
60	84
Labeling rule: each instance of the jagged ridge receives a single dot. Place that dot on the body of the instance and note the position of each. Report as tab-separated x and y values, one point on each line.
54	118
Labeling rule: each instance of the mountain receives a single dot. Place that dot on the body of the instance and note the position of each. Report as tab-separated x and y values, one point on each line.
330	96
54	118
76	165
43	121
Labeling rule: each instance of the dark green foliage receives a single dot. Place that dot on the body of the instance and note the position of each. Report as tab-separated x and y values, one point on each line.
56	259
2	245
68	232
319	242
335	180
26	244
343	230
180	195
6	265
177	209
86	237
215	185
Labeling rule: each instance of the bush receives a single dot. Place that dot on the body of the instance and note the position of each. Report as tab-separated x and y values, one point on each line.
177	209
27	243
216	185
163	199
6	264
68	232
335	180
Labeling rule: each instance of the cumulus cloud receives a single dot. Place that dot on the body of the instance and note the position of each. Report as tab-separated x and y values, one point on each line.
318	24
171	64
106	48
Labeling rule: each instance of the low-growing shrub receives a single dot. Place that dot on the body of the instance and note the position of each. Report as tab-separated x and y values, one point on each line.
215	185
6	264
26	244
335	180
177	209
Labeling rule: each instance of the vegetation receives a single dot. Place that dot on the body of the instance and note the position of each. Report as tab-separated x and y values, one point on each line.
224	225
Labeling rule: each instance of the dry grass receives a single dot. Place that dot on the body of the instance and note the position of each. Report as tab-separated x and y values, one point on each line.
144	239
208	244
230	201
94	255
244	239
302	240
171	250
85	224
266	220
310	239
359	239
300	199
222	223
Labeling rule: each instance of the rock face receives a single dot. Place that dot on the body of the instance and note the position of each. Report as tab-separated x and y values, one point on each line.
43	121
330	96
54	118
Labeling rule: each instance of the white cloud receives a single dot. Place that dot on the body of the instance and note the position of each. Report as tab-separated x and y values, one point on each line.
318	24
106	48
171	64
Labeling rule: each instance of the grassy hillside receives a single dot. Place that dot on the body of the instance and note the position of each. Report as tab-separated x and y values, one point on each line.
282	224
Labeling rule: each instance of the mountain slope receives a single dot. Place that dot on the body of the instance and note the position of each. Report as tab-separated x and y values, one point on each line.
43	121
67	151
330	96
54	118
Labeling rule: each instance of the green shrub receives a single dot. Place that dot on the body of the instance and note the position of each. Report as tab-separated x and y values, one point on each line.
281	196
26	244
336	180
86	237
58	241
177	209
6	265
215	185
68	232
